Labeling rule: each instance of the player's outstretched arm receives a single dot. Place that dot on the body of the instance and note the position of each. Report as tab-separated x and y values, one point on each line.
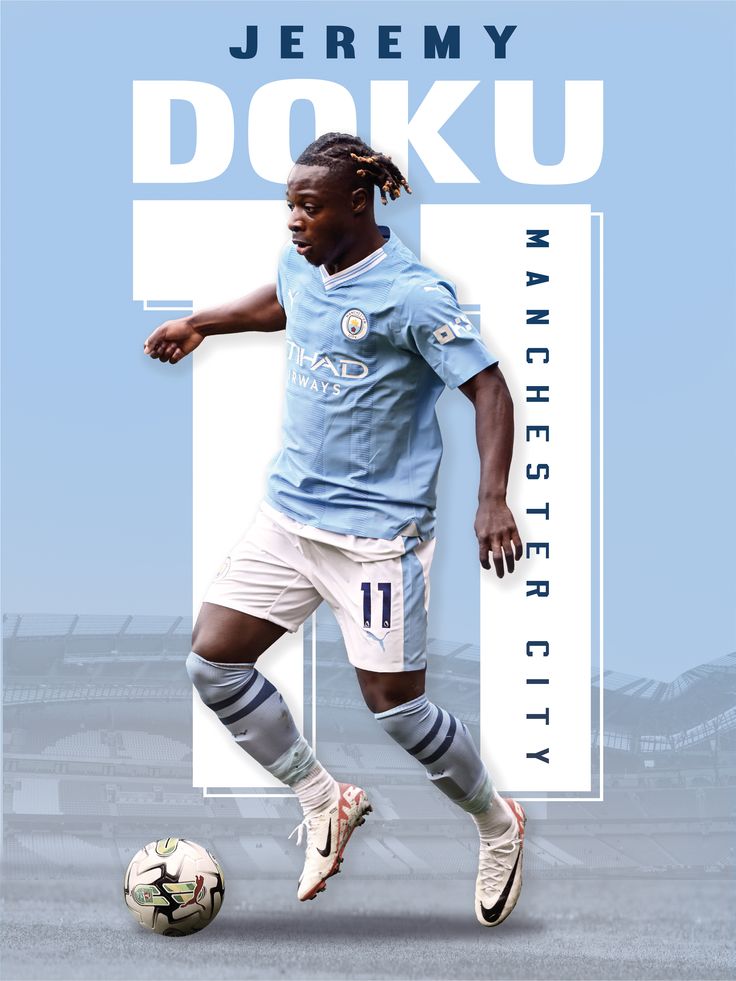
174	339
495	526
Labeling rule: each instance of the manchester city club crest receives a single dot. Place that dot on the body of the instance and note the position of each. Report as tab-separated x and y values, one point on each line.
354	325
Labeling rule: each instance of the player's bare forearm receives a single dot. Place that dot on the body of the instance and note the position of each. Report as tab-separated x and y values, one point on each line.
259	310
495	526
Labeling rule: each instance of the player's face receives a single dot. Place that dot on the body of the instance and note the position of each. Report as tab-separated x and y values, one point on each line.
323	216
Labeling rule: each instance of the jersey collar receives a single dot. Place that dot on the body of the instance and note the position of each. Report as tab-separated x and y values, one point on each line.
358	268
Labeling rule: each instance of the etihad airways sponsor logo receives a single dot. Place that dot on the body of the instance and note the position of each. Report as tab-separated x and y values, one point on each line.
317	372
324	366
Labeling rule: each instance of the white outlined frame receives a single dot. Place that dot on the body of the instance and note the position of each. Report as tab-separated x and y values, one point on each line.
181	306
467	238
601	756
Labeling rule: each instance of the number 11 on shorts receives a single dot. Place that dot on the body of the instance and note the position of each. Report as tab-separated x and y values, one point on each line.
385	589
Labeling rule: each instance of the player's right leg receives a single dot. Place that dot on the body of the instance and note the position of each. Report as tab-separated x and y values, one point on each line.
258	595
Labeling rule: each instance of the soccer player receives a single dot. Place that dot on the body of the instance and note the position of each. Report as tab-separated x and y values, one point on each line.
372	339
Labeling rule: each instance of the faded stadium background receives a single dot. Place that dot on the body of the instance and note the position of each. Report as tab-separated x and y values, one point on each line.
97	714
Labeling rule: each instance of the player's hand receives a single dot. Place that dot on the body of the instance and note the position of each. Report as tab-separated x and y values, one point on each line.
173	340
498	537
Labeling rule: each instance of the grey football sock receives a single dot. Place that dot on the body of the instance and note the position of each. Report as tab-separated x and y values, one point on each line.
255	713
442	744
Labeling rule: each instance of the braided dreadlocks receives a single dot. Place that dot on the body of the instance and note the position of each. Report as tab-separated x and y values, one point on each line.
350	153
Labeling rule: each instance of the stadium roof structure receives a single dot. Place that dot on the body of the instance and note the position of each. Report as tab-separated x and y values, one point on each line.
18	625
660	691
695	706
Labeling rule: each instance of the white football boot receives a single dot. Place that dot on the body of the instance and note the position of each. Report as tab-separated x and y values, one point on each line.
498	884
328	832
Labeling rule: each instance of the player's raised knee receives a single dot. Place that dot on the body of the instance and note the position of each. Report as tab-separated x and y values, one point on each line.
210	645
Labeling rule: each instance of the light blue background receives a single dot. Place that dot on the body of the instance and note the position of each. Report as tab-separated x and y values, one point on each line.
97	439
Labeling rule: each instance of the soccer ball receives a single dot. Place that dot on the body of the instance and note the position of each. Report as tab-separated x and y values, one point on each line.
174	886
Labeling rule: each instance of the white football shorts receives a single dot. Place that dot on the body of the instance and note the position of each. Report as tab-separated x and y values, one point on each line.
282	570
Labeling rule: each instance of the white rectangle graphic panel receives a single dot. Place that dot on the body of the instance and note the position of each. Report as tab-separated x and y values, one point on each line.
528	268
209	252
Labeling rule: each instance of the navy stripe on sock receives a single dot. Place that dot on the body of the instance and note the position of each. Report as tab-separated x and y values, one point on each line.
216	706
423	743
265	692
445	745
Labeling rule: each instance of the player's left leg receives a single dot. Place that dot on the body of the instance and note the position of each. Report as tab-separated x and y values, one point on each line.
379	592
442	744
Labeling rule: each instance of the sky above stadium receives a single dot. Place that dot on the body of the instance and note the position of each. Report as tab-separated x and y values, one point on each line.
97	441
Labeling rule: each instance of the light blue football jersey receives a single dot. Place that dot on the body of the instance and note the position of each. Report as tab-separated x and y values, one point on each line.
369	350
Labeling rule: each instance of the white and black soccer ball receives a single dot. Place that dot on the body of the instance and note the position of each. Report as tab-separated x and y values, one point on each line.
174	886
